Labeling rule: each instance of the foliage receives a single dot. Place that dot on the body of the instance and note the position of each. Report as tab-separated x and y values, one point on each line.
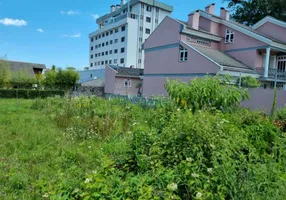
274	103
66	79
249	82
22	79
29	94
205	93
249	12
281	114
5	75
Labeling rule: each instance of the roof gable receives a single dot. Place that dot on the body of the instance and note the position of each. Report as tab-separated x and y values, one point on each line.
270	20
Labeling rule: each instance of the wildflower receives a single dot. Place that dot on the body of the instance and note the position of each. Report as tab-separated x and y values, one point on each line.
87	180
172	187
94	172
189	159
46	195
178	109
195	175
134	124
199	195
210	170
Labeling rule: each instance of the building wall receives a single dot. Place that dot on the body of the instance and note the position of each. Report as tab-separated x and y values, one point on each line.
110	74
273	30
88	75
131	43
192	40
121	90
248	57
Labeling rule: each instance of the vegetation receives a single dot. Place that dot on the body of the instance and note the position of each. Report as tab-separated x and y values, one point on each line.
29	94
92	148
251	11
248	82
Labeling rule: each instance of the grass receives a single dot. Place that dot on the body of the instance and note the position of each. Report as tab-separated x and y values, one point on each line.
36	157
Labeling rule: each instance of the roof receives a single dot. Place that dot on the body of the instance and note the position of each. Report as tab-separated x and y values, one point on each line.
128	72
227	62
24	66
99	82
90	74
133	2
271	20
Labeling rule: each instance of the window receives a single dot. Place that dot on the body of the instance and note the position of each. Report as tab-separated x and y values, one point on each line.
99	36
142	5
157	10
148	19
90	75
156	21
102	62
107	33
95	55
139	61
91	48
95	63
98	63
122	50
141	17
183	54
115	41
91	64
99	45
110	52
91	40
116	30
132	16
141	28
106	62
102	44
203	42
96	46
115	61
149	8
127	83
115	51
103	35
111	32
91	56
140	39
122	61
147	31
110	62
229	36
122	39
140	50
102	53
106	53
123	28
98	54
106	43
110	42
96	38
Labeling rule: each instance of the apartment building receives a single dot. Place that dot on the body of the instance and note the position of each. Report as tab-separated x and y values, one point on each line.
121	33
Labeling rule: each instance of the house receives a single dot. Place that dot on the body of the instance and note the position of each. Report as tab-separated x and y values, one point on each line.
123	81
210	45
30	68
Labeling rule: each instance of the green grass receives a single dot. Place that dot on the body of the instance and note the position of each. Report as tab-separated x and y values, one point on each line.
35	156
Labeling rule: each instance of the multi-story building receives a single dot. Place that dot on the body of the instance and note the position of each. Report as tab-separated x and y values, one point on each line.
121	33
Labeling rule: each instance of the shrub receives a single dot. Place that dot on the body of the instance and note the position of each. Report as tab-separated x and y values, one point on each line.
29	94
249	82
281	114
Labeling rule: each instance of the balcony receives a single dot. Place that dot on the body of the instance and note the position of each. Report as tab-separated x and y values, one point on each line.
281	74
119	18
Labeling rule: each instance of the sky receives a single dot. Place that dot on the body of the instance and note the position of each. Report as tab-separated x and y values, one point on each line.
55	32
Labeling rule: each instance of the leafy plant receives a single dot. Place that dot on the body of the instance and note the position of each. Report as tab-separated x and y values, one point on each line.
249	82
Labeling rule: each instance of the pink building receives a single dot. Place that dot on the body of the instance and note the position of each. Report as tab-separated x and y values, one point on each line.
123	81
209	45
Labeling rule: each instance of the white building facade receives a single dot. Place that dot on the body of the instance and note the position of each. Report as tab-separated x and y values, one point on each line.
121	33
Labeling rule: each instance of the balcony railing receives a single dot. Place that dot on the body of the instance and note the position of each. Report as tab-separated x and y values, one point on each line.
281	74
121	17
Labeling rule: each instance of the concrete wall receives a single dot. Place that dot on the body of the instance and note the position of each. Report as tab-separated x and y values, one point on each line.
273	30
109	80
263	99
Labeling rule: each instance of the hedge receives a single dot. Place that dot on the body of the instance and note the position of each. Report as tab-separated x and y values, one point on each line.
29	94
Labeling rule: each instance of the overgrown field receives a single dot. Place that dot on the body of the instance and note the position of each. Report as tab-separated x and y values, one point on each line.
93	148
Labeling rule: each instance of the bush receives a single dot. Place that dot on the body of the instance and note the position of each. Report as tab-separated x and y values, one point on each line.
249	82
29	94
281	114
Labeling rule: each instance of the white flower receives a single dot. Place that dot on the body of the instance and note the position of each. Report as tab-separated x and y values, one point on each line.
46	195
94	172
195	175
199	195
134	124
189	159
172	186
210	170
87	180
178	109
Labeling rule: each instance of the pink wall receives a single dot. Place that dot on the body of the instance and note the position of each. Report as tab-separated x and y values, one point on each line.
213	45
240	40
109	80
247	57
168	32
210	26
166	61
120	89
273	30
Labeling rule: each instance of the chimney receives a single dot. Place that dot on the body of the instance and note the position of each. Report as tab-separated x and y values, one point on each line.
193	20
112	8
224	14
210	9
118	6
123	2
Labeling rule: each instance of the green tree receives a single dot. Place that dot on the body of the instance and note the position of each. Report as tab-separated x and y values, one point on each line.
206	93
249	12
5	74
50	78
249	82
66	79
23	79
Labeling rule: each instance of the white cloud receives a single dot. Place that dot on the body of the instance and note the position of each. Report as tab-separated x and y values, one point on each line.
70	12
13	22
78	35
40	30
95	16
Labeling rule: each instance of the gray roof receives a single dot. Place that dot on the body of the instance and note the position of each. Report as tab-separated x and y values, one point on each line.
229	63
99	82
128	72
24	66
133	2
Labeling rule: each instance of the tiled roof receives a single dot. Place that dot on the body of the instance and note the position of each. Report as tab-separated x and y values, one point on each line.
99	82
24	66
128	72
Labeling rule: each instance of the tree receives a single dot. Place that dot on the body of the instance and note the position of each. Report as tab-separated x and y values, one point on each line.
66	79
23	79
249	82
5	75
50	78
249	12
